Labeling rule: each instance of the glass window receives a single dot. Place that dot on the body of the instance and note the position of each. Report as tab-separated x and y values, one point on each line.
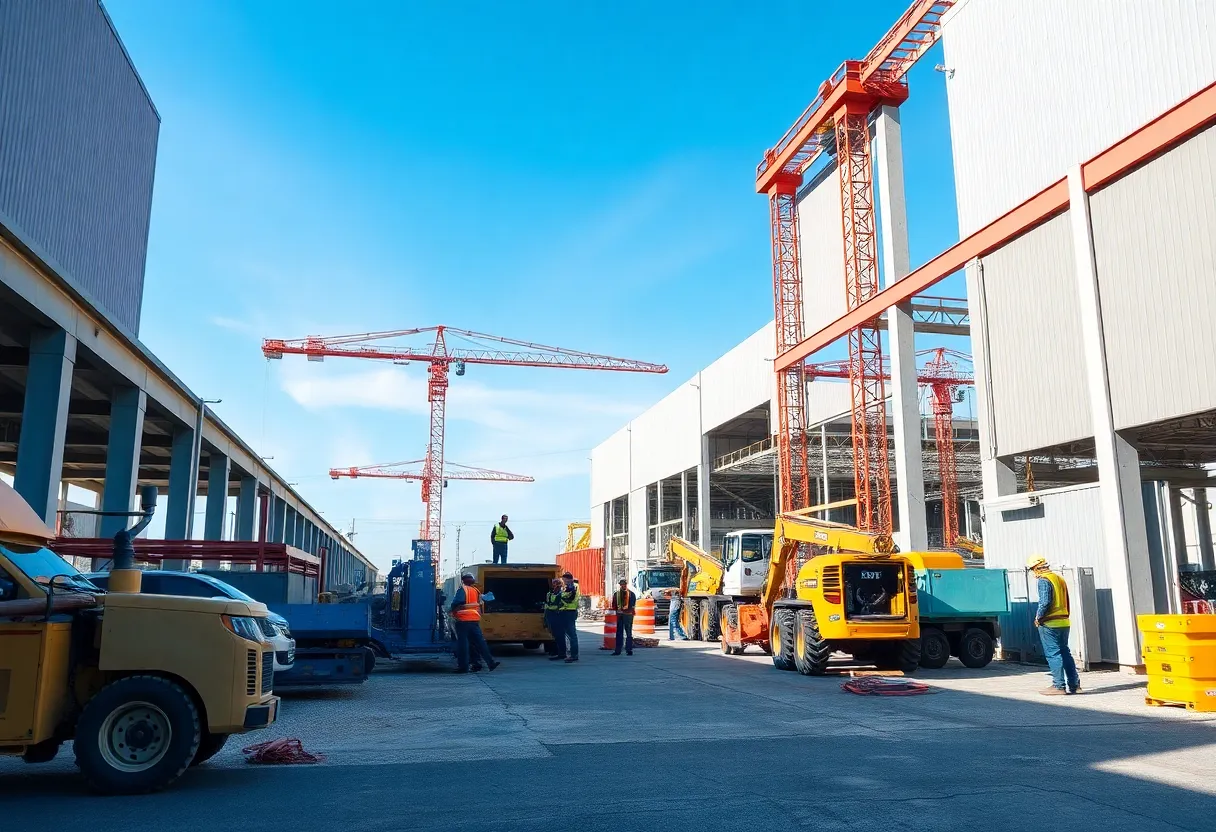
41	565
730	550
756	547
664	578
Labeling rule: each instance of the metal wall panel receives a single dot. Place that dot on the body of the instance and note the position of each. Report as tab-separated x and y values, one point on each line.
610	468
826	401
78	140
1041	85
665	437
821	244
1035	363
1065	528
1156	255
740	380
597	525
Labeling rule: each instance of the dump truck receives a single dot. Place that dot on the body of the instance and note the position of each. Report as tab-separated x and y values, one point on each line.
959	608
514	601
709	584
144	686
829	587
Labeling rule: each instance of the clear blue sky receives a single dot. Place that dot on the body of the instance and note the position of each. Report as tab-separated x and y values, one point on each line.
578	174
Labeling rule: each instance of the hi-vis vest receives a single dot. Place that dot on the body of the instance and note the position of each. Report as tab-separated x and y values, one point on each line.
470	610
1057	613
553	601
572	604
500	533
622	602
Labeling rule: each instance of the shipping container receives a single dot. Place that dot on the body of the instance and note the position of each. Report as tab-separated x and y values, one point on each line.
587	567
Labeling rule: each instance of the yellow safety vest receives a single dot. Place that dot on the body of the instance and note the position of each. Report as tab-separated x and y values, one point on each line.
622	602
553	602
1057	613
572	604
500	534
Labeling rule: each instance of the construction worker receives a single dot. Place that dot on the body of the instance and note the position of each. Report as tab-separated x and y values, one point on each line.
673	617
1051	619
466	610
500	536
553	604
567	616
624	603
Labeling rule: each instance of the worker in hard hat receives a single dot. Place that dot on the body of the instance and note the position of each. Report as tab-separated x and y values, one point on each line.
553	605
500	536
1051	619
624	604
466	610
567	617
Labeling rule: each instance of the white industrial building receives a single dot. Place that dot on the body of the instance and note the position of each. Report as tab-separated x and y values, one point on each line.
1091	325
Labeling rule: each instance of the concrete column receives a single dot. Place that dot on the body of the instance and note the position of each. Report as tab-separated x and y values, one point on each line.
182	489
913	534
44	421
703	515
684	518
1124	529
247	509
1203	530
823	453
310	538
278	519
127	406
1177	527
217	496
289	526
998	477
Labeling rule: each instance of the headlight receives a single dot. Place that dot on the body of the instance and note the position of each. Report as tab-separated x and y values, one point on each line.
243	626
284	630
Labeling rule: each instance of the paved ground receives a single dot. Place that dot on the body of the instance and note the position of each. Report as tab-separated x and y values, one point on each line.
682	736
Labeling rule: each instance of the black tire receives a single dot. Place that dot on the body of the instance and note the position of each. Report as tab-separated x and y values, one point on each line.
42	752
934	648
691	612
781	639
531	645
142	706
728	622
209	745
811	651
711	624
976	648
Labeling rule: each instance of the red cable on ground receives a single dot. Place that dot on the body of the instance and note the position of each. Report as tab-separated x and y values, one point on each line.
287	751
880	686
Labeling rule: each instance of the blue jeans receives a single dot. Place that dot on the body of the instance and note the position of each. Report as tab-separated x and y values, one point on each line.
470	639
1059	659
500	552
674	626
624	633
566	631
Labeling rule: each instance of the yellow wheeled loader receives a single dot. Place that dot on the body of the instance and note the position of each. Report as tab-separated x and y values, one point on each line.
143	685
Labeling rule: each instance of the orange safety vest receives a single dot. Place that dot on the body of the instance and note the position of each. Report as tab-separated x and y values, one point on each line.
622	602
470	610
1057	613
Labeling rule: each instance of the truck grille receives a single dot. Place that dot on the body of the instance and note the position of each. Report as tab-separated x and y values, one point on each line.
251	673
268	671
266	627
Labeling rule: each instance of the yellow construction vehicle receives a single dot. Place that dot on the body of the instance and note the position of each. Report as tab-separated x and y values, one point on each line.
578	536
969	547
709	584
829	587
144	685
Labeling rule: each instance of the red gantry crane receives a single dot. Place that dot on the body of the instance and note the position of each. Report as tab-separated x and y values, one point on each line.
401	471
838	117
442	359
943	379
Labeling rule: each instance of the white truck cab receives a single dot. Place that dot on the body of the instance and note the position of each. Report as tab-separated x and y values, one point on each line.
745	555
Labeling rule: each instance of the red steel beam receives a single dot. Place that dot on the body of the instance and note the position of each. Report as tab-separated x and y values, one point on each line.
1154	138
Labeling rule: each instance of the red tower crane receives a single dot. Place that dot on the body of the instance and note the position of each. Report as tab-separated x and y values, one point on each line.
943	379
440	359
399	471
837	118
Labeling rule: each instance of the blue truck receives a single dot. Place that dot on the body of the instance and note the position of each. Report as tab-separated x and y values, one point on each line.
959	605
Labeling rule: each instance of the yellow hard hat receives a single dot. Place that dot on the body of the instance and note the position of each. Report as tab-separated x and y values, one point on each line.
1036	562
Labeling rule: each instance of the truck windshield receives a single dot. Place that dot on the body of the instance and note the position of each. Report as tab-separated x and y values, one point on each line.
756	547
40	565
663	579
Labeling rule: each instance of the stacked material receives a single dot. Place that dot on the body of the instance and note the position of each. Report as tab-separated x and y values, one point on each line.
1180	659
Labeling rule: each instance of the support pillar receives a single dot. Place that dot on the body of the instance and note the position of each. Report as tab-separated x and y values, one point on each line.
703	515
247	508
278	519
127	406
827	483
182	490
685	520
1125	534
998	477
217	496
1203	530
913	534
289	526
44	421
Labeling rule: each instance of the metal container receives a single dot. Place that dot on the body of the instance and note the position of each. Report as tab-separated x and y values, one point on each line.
587	567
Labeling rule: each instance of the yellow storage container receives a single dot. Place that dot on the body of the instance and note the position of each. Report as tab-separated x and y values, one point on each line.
1200	664
1195	694
1203	626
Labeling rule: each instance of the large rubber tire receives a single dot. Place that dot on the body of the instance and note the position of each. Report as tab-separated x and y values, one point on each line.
907	656
781	639
934	648
151	705
728	621
209	745
711	624
975	648
811	652
691	611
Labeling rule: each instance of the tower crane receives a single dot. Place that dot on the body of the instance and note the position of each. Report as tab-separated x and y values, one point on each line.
838	119
441	358
401	471
943	378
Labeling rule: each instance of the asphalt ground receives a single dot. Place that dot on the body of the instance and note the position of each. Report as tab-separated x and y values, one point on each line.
681	737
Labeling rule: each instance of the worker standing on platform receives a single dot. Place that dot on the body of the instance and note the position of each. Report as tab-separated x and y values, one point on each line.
1051	619
466	609
673	618
623	603
567	616
500	536
553	605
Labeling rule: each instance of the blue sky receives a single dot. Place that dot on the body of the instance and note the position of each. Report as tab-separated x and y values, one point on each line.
571	174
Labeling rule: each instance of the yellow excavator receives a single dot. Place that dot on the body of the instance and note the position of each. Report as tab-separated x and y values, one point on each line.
709	584
829	587
144	685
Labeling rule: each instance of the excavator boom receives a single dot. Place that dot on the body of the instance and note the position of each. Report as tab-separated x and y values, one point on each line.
708	569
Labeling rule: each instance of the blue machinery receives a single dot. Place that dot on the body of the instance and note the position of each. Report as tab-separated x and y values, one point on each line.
339	643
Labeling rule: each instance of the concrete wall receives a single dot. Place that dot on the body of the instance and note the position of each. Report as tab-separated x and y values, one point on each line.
1040	85
78	149
821	245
